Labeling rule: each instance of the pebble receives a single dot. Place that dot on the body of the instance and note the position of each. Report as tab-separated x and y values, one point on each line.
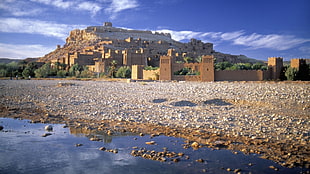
49	128
195	145
274	168
102	148
46	134
150	142
200	160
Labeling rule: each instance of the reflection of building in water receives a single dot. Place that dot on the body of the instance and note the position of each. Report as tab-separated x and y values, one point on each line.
95	133
85	132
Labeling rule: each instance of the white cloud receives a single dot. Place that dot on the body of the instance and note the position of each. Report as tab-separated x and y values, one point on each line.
117	6
231	35
18	8
23	51
271	41
181	35
252	41
34	7
15	25
57	3
94	8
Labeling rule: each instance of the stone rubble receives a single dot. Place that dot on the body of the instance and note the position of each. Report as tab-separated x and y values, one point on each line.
260	112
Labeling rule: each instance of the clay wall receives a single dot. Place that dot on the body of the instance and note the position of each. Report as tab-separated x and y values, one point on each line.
239	75
137	72
151	74
186	77
133	58
168	67
91	68
100	66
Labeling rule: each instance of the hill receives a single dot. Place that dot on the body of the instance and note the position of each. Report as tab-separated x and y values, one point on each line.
7	60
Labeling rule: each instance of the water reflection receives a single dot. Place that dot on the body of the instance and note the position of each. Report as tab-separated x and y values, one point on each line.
24	150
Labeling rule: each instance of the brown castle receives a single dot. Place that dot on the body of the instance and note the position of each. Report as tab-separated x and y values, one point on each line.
97	46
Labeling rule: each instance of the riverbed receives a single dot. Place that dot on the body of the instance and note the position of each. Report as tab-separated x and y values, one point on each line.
25	149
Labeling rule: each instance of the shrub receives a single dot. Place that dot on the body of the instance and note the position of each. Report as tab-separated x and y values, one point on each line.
123	72
150	68
61	73
86	74
291	73
44	71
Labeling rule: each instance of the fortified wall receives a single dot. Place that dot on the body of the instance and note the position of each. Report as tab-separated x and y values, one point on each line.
168	67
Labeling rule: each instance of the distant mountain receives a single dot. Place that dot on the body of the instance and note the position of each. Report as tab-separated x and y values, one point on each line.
250	60
7	60
27	60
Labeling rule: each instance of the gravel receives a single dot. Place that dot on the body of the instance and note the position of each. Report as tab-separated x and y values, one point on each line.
271	118
251	109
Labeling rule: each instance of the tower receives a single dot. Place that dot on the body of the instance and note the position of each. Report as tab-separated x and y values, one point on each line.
207	68
275	65
107	24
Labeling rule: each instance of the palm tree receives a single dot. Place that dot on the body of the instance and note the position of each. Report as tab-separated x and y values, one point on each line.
112	70
187	59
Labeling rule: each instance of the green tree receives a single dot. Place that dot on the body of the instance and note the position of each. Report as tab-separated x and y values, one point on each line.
222	66
150	68
198	59
43	71
112	69
13	69
257	66
123	72
85	73
61	73
29	70
291	73
75	70
3	70
247	66
188	59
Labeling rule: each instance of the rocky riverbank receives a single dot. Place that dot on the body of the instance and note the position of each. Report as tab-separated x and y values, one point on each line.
271	119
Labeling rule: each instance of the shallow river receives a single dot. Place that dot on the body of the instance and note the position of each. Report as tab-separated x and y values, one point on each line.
23	149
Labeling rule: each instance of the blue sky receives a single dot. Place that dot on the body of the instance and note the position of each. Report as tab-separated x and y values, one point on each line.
255	28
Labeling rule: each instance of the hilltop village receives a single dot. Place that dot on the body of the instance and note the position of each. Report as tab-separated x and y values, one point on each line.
97	47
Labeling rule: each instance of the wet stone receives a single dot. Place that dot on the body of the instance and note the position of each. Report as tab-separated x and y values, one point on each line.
48	128
46	134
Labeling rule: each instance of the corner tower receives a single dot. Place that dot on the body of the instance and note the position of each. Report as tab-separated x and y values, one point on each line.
275	65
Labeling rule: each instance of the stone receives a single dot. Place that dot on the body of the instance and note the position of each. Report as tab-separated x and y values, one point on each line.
195	145
200	160
48	128
102	148
237	170
150	142
1	127
46	134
